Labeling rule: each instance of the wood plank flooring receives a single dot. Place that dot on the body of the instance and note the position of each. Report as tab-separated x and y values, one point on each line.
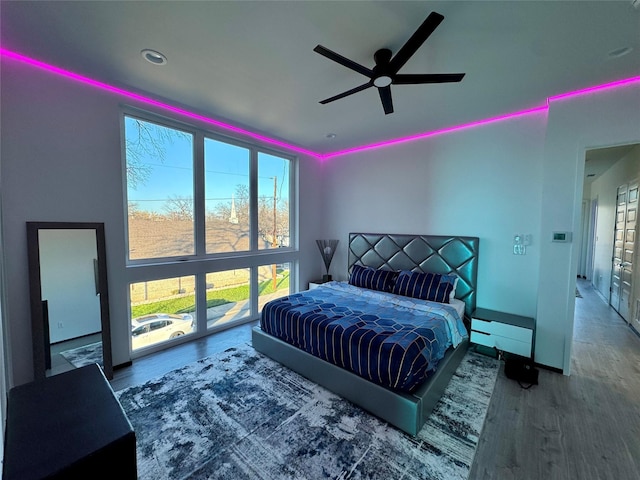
157	364
585	426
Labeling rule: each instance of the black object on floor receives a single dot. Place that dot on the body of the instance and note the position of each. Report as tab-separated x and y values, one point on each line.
68	426
520	369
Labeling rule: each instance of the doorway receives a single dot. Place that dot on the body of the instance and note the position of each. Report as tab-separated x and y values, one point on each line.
610	196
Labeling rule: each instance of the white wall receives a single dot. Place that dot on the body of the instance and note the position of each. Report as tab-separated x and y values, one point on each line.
599	119
522	175
484	182
61	161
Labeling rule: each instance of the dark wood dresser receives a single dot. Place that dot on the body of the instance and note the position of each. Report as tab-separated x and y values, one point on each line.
68	426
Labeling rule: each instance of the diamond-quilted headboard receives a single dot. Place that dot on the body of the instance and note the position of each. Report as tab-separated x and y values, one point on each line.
421	253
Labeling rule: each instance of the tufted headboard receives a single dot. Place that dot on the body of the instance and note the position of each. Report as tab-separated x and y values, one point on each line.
421	253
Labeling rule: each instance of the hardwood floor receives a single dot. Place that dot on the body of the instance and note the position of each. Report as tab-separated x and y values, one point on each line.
585	426
157	364
59	364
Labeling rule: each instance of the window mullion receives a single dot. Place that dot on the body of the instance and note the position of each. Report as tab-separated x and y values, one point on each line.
254	291
253	200
201	302
253	215
199	193
199	225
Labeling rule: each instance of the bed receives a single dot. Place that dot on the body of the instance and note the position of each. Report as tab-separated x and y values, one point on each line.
313	332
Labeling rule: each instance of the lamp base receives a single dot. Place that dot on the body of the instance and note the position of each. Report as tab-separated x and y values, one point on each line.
326	278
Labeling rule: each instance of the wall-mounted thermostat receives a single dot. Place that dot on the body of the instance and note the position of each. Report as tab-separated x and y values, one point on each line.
563	237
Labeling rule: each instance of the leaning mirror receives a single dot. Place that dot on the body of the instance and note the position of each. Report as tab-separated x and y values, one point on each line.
69	297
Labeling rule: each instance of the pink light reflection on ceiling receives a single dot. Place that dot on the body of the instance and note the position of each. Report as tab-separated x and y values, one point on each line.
225	126
420	136
149	101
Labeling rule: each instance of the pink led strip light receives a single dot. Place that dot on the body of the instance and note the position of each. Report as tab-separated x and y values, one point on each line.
420	136
542	108
140	98
150	101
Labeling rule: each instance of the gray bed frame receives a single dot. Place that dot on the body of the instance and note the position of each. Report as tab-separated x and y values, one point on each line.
426	253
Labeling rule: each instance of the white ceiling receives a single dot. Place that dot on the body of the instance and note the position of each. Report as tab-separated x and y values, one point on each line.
252	63
599	160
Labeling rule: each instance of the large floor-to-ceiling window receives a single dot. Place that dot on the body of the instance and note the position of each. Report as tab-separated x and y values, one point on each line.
210	229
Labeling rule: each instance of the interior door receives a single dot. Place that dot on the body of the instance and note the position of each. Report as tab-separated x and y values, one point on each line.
626	294
624	250
618	244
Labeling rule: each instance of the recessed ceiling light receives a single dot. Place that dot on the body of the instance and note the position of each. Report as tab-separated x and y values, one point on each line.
331	135
619	52
153	56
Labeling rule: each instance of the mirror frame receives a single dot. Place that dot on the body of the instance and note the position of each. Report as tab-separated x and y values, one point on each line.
38	334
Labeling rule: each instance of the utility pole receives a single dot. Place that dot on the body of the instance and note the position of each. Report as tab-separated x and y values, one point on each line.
274	243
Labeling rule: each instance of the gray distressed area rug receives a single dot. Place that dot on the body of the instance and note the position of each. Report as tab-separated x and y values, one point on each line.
240	415
86	355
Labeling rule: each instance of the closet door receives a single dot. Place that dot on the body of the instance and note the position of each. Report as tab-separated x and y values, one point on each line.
624	250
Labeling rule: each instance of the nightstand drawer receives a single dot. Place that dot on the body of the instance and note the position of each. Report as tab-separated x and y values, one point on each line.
502	330
505	344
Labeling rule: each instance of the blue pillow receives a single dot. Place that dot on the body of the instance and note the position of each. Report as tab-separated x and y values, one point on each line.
452	278
425	286
371	278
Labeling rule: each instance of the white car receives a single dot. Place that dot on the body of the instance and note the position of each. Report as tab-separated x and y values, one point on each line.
159	327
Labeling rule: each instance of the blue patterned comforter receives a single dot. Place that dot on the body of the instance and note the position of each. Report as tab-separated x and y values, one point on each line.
388	339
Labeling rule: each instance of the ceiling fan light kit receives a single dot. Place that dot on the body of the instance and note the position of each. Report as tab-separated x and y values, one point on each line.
385	72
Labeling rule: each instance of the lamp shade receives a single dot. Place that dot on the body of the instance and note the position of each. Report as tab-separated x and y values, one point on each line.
327	249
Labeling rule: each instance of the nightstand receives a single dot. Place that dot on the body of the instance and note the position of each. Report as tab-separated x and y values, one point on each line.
503	331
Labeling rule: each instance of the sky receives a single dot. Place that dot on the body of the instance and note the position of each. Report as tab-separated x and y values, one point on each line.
226	166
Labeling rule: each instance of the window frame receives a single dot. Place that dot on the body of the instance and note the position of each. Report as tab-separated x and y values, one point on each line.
201	263
168	123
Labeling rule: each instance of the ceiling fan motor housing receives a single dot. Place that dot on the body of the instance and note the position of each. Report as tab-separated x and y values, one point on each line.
387	66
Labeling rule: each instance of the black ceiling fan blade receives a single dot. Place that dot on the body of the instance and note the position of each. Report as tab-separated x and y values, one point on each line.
348	92
427	78
416	40
336	57
385	97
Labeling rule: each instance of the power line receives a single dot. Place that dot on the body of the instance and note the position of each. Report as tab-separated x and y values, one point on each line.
217	172
189	199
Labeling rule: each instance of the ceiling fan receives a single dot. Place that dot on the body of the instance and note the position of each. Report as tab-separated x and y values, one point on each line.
385	72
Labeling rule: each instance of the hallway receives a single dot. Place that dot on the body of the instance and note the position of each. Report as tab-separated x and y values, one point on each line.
584	426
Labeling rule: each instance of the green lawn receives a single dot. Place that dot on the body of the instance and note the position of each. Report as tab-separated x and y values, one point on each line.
214	298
